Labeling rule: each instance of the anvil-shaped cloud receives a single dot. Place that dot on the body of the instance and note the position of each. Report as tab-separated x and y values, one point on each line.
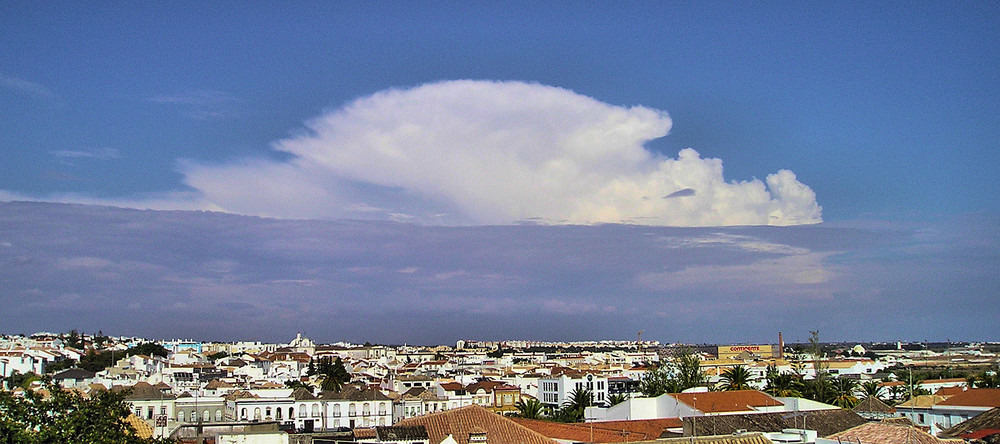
483	152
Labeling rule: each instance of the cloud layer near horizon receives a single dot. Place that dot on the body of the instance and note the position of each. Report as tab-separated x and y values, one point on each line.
482	152
220	276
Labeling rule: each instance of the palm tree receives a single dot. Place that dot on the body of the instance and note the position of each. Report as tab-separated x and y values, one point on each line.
294	384
843	393
736	377
617	398
530	408
984	380
574	407
817	389
872	388
784	385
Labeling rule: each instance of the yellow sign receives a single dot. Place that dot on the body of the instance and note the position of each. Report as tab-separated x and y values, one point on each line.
732	351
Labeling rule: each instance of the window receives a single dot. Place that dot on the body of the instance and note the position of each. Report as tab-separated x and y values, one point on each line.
277	413
291	413
920	418
352	410
336	410
315	410
302	410
381	408
149	412
267	413
163	410
206	415
218	415
366	409
180	416
256	414
243	414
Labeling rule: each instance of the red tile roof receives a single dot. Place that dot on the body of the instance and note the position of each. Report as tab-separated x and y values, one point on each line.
728	401
949	391
889	433
980	397
980	434
602	432
461	421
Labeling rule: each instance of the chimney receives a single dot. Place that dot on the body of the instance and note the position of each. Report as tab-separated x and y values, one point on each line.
781	346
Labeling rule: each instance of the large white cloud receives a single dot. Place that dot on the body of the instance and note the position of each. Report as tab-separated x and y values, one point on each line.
486	152
483	152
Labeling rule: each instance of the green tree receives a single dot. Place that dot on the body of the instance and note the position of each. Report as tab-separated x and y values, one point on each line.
843	393
617	398
872	387
816	350
100	339
688	366
148	349
334	374
984	380
530	408
573	408
658	381
294	384
74	340
785	385
22	380
817	389
96	361
59	366
736	377
65	416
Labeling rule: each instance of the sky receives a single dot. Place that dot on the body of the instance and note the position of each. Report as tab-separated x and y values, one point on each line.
502	171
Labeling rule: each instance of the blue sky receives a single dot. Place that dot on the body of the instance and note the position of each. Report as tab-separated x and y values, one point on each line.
862	116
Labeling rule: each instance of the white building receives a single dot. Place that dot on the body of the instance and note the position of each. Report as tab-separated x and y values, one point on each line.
556	389
939	414
680	405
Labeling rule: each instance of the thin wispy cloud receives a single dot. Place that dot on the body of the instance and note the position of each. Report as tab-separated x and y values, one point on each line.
26	87
201	104
97	153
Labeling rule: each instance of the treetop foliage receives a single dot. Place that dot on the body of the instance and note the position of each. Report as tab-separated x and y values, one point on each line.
54	415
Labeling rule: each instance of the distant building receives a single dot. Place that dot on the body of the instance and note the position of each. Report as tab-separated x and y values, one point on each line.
748	352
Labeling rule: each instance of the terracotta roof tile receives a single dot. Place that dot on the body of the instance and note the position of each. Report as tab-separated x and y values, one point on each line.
749	438
461	421
980	397
601	432
142	428
984	421
873	405
889	433
949	391
728	401
824	422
